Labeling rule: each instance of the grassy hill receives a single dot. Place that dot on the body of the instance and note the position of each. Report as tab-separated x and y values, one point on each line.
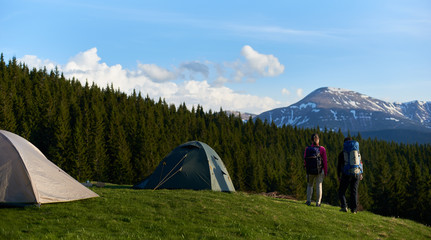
124	213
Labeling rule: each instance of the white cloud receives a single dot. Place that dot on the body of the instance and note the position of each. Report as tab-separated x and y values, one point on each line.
299	92
239	75
284	91
200	92
264	65
220	81
153	80
84	61
86	66
34	62
256	65
157	73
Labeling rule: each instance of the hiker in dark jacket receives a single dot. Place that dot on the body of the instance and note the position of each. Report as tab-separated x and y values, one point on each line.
348	179
316	172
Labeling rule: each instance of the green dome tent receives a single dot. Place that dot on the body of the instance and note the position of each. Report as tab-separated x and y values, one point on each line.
28	177
192	165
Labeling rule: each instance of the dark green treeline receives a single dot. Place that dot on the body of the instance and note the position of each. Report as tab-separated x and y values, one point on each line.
103	134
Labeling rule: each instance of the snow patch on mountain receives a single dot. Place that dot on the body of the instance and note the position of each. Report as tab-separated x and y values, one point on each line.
354	114
393	119
305	105
335	114
353	104
303	121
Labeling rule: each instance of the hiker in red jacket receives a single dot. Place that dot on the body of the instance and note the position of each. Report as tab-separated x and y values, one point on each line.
315	163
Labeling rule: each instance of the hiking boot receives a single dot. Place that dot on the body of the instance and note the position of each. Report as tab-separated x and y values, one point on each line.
343	209
308	203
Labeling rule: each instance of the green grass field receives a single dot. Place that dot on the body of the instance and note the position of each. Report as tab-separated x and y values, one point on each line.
124	213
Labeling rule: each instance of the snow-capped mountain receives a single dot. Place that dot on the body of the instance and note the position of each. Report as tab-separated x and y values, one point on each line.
336	108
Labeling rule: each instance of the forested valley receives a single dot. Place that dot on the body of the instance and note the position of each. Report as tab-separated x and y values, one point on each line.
102	134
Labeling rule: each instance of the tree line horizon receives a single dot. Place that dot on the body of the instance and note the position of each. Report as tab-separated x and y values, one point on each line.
103	134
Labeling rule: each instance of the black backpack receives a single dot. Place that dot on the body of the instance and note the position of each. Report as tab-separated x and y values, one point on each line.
313	160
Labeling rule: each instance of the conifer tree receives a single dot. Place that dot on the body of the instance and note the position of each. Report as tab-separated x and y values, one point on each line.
120	168
382	188
97	149
60	151
78	161
417	193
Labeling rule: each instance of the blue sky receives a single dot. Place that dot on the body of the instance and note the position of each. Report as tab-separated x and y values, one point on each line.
250	56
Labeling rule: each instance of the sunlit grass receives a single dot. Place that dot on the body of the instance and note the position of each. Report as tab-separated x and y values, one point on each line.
124	213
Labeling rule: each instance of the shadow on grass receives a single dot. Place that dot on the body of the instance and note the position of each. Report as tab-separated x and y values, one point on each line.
18	205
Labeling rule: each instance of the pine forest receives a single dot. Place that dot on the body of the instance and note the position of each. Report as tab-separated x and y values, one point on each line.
99	133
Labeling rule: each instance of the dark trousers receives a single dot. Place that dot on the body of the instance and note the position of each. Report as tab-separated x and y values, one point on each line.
352	182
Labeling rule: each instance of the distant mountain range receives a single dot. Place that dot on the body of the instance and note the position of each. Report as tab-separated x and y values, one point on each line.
345	110
244	116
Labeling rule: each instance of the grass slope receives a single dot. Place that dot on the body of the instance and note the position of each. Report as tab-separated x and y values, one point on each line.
123	213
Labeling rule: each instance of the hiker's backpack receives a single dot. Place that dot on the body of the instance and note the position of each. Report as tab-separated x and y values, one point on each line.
313	160
352	158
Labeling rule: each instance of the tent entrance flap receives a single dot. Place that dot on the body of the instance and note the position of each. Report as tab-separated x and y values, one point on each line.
15	184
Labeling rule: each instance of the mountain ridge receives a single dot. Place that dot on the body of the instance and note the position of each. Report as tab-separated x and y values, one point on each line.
347	110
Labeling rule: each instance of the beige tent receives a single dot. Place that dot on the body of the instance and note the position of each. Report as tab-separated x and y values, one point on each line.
27	176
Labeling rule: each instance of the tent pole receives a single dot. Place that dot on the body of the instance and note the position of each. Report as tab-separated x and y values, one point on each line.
161	183
163	180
